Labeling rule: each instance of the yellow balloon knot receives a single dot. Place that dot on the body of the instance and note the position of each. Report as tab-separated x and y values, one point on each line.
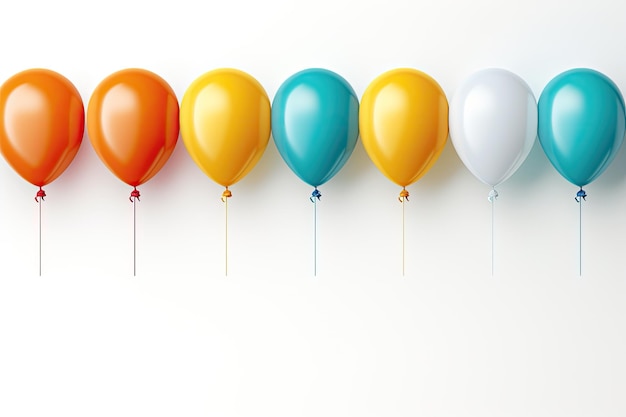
226	194
404	195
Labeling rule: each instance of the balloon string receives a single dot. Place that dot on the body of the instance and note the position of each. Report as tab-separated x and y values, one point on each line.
39	237
134	240
493	209
315	238
225	196
404	196
134	196
403	238
226	239
315	195
581	196
39	198
492	197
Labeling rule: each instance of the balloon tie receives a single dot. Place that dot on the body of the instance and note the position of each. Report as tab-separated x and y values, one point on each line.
315	194
134	195
226	194
40	194
493	195
404	195
581	194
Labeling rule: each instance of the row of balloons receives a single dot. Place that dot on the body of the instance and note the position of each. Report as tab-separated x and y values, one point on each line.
225	119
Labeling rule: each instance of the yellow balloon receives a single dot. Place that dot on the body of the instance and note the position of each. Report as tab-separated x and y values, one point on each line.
225	123
403	122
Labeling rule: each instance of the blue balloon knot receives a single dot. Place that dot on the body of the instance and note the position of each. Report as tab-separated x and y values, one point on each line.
315	194
581	194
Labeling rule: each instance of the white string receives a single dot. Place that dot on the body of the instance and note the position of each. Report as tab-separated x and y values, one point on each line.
493	210
492	197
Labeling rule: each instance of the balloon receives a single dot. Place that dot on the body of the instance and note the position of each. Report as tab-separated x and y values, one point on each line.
225	124
132	120
315	124
493	124
42	121
404	124
581	124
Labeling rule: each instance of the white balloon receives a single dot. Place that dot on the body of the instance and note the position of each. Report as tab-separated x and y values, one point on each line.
493	124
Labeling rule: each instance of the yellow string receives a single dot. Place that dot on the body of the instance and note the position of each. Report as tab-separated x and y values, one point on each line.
225	196
404	196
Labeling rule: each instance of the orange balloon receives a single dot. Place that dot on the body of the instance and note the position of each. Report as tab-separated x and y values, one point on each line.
132	121
42	121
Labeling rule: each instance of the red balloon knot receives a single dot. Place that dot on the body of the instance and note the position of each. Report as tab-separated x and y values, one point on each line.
134	195
40	194
404	195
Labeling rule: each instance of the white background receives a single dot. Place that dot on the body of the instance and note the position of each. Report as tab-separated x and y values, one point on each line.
270	339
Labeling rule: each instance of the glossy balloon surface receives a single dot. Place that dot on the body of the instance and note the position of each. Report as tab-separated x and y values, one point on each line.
225	124
315	117
133	125
581	123
493	124
404	124
42	120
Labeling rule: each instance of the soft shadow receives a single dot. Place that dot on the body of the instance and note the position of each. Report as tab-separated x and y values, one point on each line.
355	168
445	168
85	158
535	167
265	168
615	174
170	174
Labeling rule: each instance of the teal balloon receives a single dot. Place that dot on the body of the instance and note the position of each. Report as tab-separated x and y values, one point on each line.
581	124
315	124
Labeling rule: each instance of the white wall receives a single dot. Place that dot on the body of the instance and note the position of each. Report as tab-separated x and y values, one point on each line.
447	339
